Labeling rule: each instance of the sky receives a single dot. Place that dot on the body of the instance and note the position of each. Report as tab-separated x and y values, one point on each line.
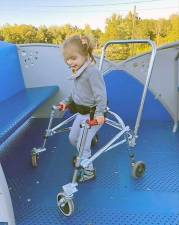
78	12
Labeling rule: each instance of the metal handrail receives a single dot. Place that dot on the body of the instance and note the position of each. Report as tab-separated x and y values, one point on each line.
176	90
151	63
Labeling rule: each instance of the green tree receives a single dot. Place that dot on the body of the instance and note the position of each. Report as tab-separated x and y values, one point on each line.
116	29
56	33
19	33
44	35
173	33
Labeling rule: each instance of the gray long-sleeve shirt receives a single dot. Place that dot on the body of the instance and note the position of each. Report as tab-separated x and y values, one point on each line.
89	89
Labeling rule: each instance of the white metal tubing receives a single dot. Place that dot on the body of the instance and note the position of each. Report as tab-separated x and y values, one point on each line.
118	118
115	145
44	143
151	63
104	148
51	118
113	124
49	126
63	123
175	126
85	128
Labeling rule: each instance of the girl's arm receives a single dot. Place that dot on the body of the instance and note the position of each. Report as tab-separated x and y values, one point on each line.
98	86
63	104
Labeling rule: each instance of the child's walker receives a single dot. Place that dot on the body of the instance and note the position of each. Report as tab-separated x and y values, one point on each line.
125	135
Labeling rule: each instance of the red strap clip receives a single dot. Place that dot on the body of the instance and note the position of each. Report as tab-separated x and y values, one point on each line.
92	122
59	107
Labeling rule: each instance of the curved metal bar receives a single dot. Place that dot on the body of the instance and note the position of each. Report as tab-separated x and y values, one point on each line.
151	63
176	90
118	118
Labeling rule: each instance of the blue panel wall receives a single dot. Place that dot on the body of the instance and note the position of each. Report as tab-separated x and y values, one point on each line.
124	95
10	72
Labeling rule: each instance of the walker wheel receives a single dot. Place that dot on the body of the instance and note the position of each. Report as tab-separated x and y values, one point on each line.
95	140
65	206
74	160
34	159
138	169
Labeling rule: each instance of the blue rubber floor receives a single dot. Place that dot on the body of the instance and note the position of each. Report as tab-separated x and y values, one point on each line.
114	198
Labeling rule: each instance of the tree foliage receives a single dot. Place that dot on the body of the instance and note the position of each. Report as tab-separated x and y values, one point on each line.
161	31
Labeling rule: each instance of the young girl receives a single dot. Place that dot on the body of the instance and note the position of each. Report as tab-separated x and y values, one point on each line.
88	96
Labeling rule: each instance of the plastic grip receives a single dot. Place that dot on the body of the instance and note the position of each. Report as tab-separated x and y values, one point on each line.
92	122
60	107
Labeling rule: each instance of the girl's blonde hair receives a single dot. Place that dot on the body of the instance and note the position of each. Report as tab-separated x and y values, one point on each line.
84	45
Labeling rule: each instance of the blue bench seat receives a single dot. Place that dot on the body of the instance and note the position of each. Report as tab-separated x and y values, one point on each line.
17	103
15	110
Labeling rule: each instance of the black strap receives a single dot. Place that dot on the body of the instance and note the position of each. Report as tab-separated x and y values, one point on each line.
82	109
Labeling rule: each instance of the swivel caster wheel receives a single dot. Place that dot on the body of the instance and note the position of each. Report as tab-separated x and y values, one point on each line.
34	159
138	169
74	161
65	206
95	140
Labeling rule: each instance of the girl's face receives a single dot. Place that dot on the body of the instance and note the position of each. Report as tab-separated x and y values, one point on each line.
73	58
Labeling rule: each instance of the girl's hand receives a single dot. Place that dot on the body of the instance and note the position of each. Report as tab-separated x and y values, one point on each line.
62	106
100	119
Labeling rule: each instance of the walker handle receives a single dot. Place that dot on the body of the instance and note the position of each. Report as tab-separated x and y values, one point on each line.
59	107
92	122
